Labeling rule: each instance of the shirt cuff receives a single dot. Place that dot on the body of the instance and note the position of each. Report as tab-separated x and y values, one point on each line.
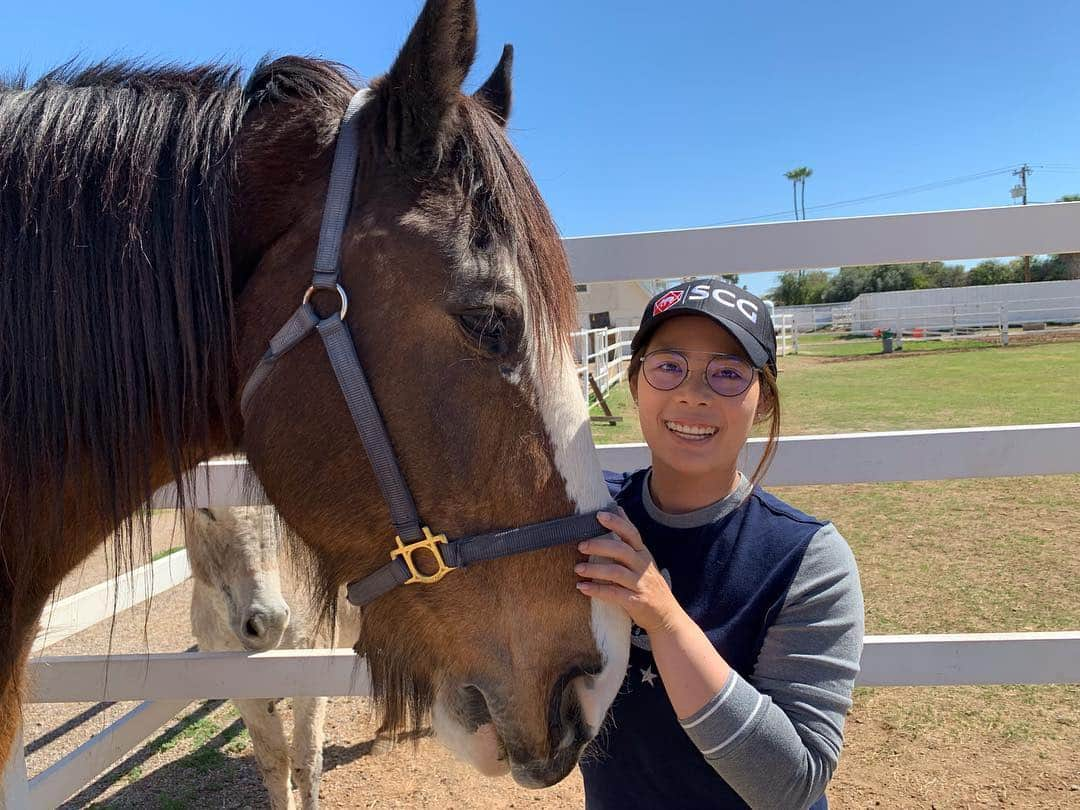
730	715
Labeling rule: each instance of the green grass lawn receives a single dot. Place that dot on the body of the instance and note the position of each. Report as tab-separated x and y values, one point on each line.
1036	384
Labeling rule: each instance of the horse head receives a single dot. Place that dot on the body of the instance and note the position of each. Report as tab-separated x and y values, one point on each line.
460	308
234	553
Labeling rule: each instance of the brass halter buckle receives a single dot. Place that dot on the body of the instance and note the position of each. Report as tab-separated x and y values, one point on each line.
429	543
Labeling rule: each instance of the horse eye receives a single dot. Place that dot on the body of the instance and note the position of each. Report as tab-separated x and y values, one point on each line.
482	239
489	329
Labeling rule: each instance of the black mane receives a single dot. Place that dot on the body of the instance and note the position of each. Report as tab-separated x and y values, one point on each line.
116	316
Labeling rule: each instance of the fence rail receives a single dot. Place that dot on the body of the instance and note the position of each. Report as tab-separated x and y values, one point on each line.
887	239
70	774
907	660
841	458
88	607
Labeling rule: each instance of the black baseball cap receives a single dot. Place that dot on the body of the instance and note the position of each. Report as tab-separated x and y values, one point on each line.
743	314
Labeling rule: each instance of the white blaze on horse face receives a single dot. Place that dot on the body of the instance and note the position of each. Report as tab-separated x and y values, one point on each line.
566	419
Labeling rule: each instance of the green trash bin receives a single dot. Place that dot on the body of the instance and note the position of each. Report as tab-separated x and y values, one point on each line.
887	336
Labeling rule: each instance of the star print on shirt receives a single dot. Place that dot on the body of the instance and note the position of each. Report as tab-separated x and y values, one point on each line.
648	676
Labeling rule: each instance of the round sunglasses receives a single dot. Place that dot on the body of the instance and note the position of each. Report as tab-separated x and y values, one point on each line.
726	374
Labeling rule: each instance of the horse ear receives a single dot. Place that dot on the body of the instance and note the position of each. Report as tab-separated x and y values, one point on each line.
495	93
425	81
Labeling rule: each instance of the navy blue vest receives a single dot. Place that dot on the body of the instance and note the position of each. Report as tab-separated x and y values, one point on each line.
731	577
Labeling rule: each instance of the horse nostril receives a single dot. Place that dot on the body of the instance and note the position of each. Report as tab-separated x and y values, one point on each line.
566	725
255	626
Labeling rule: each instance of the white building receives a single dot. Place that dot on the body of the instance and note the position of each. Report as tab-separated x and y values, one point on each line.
622	301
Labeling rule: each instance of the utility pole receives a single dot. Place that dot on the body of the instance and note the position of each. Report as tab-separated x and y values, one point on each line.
1023	173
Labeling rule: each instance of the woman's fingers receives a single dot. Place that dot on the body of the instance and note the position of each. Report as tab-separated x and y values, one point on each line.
612	548
619	524
609	572
605	593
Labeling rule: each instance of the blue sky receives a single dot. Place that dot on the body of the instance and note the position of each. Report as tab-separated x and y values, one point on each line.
643	116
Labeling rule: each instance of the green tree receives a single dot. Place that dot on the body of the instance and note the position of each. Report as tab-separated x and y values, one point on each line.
815	283
787	292
993	272
730	278
847	284
796	288
939	274
890	277
1062	267
851	282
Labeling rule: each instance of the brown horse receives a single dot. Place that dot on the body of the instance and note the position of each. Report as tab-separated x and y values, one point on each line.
158	225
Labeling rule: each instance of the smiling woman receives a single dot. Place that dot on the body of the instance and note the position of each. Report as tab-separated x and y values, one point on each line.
748	614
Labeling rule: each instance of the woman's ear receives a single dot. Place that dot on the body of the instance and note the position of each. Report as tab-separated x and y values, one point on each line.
764	405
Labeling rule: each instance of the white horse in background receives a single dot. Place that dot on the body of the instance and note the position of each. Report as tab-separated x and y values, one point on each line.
242	601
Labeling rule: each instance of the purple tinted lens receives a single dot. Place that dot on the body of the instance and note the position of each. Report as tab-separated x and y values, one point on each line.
664	370
729	376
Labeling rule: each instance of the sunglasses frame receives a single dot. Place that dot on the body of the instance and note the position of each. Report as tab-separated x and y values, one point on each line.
705	372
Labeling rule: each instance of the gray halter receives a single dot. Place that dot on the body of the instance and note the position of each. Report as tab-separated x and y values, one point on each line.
411	535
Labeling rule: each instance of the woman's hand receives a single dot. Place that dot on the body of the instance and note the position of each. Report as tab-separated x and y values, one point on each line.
628	577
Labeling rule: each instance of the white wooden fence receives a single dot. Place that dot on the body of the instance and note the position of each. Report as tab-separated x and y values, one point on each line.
979	320
169	682
602	353
946	309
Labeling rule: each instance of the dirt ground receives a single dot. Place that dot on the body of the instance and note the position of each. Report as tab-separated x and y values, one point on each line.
921	748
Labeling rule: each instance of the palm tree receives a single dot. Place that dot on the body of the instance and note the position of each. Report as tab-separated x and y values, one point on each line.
804	175
798	177
793	176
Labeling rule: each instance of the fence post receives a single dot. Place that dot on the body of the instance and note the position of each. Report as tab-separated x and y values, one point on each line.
1004	325
899	330
14	789
795	337
600	349
585	363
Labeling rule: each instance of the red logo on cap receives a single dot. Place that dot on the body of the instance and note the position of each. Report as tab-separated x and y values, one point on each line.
667	301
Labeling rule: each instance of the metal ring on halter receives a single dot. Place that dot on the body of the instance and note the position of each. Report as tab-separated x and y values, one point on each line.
341	294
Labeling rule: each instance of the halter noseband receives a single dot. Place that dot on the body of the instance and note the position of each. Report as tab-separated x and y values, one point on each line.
411	535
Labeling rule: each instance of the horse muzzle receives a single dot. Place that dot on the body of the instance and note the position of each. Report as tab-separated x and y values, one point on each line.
262	626
482	729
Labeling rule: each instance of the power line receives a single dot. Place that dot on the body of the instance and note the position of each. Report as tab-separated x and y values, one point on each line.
882	196
1058	166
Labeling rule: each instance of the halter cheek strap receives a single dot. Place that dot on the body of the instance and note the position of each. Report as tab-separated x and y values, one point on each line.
411	535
